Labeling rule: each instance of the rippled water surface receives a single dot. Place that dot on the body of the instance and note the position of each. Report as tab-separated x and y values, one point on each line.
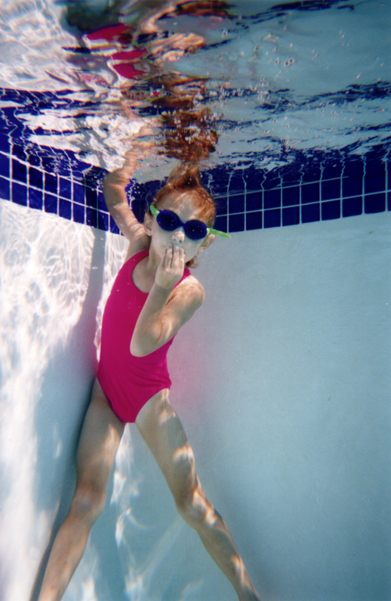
277	79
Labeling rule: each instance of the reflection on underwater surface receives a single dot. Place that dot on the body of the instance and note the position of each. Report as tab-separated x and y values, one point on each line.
289	78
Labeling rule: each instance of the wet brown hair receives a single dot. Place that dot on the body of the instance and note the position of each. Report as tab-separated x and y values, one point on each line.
187	178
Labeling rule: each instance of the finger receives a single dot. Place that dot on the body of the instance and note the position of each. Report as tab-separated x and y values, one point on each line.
181	255
180	259
168	257
177	256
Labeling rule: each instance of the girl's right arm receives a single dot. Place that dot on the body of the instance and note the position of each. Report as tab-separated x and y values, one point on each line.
114	186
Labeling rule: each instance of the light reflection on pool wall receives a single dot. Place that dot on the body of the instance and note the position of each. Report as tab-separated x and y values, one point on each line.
282	381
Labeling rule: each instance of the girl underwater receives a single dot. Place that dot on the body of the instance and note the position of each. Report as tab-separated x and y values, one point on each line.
153	295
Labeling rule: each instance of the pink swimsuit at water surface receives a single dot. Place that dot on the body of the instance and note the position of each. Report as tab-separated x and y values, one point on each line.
128	381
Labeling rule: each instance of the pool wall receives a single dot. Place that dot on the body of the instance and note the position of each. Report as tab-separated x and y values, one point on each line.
282	380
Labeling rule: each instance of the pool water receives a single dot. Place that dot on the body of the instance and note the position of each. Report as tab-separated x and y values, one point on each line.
282	379
298	94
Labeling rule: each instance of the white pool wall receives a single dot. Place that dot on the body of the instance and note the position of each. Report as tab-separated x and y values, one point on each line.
282	381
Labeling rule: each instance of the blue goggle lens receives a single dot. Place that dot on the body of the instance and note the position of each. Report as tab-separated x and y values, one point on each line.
194	229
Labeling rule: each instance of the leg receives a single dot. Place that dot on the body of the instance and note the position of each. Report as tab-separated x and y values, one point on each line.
161	429
99	441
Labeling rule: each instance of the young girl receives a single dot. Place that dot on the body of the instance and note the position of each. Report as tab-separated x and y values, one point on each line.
153	295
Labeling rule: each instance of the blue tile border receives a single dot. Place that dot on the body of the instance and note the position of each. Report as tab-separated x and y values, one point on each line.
330	190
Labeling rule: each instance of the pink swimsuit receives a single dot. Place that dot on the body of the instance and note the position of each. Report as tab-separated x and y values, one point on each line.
129	381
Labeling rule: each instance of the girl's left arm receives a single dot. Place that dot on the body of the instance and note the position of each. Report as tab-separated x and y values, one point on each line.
166	309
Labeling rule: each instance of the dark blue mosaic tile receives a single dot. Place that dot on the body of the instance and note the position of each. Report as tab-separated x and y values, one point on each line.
91	198
35	178
33	160
310	193
65	188
48	164
310	212
354	169
114	229
101	202
331	189
351	186
291	216
5	145
254	220
78	213
139	207
217	181
236	183
236	223
217	189
272	218
375	176
4	165
93	177
91	217
5	188
78	193
50	203
149	191
35	199
19	194
19	152
331	169
352	206
253	201
290	196
254	179
50	183
389	201
221	223
103	221
272	199
271	180
289	175
331	210
375	203
236	203
221	205
19	171
65	208
312	174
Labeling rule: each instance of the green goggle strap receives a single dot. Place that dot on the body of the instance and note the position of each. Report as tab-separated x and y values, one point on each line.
218	233
210	230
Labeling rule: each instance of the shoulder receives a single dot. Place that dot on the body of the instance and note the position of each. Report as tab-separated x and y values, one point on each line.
139	244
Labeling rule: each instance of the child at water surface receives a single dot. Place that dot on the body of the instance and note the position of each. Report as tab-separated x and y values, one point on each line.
153	296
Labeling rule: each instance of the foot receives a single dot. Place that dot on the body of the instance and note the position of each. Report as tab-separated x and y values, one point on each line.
250	595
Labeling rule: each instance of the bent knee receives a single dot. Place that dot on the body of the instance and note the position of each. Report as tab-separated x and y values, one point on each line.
194	508
88	502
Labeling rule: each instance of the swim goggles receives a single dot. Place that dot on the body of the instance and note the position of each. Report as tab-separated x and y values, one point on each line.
194	229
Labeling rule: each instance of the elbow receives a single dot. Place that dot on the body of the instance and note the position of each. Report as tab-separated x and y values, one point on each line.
115	179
